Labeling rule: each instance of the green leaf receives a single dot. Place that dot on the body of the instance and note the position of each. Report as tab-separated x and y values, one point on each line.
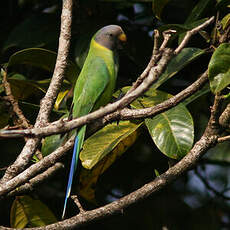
44	59
88	178
172	131
35	31
22	89
219	68
104	141
225	21
60	99
29	212
38	57
51	143
158	6
186	56
151	97
198	11
156	173
222	4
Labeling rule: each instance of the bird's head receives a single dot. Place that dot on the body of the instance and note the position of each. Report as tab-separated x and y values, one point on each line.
111	37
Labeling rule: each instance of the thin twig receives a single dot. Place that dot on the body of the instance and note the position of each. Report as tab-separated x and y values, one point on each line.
156	55
167	35
191	33
214	126
156	42
24	122
153	61
225	138
77	202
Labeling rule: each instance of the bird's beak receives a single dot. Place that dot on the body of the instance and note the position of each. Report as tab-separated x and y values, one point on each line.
121	40
122	37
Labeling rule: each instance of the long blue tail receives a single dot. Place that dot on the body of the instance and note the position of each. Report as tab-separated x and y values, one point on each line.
71	173
79	139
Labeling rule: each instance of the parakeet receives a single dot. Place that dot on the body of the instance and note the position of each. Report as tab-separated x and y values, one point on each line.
95	84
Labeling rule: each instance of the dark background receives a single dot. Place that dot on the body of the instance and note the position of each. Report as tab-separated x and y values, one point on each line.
188	203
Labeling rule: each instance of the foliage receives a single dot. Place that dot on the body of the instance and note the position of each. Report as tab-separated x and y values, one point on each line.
131	152
29	212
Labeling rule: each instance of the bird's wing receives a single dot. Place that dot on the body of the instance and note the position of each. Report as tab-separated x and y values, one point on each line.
94	79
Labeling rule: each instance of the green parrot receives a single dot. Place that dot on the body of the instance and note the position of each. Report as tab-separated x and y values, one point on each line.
95	85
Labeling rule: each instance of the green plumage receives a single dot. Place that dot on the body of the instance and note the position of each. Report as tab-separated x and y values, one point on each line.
95	84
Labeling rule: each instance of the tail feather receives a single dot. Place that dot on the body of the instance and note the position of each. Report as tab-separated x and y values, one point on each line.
71	173
77	147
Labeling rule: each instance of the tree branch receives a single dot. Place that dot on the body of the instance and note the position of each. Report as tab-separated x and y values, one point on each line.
35	169
47	102
157	184
123	114
37	180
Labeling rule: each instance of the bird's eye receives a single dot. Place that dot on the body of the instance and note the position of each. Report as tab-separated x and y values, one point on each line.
111	35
